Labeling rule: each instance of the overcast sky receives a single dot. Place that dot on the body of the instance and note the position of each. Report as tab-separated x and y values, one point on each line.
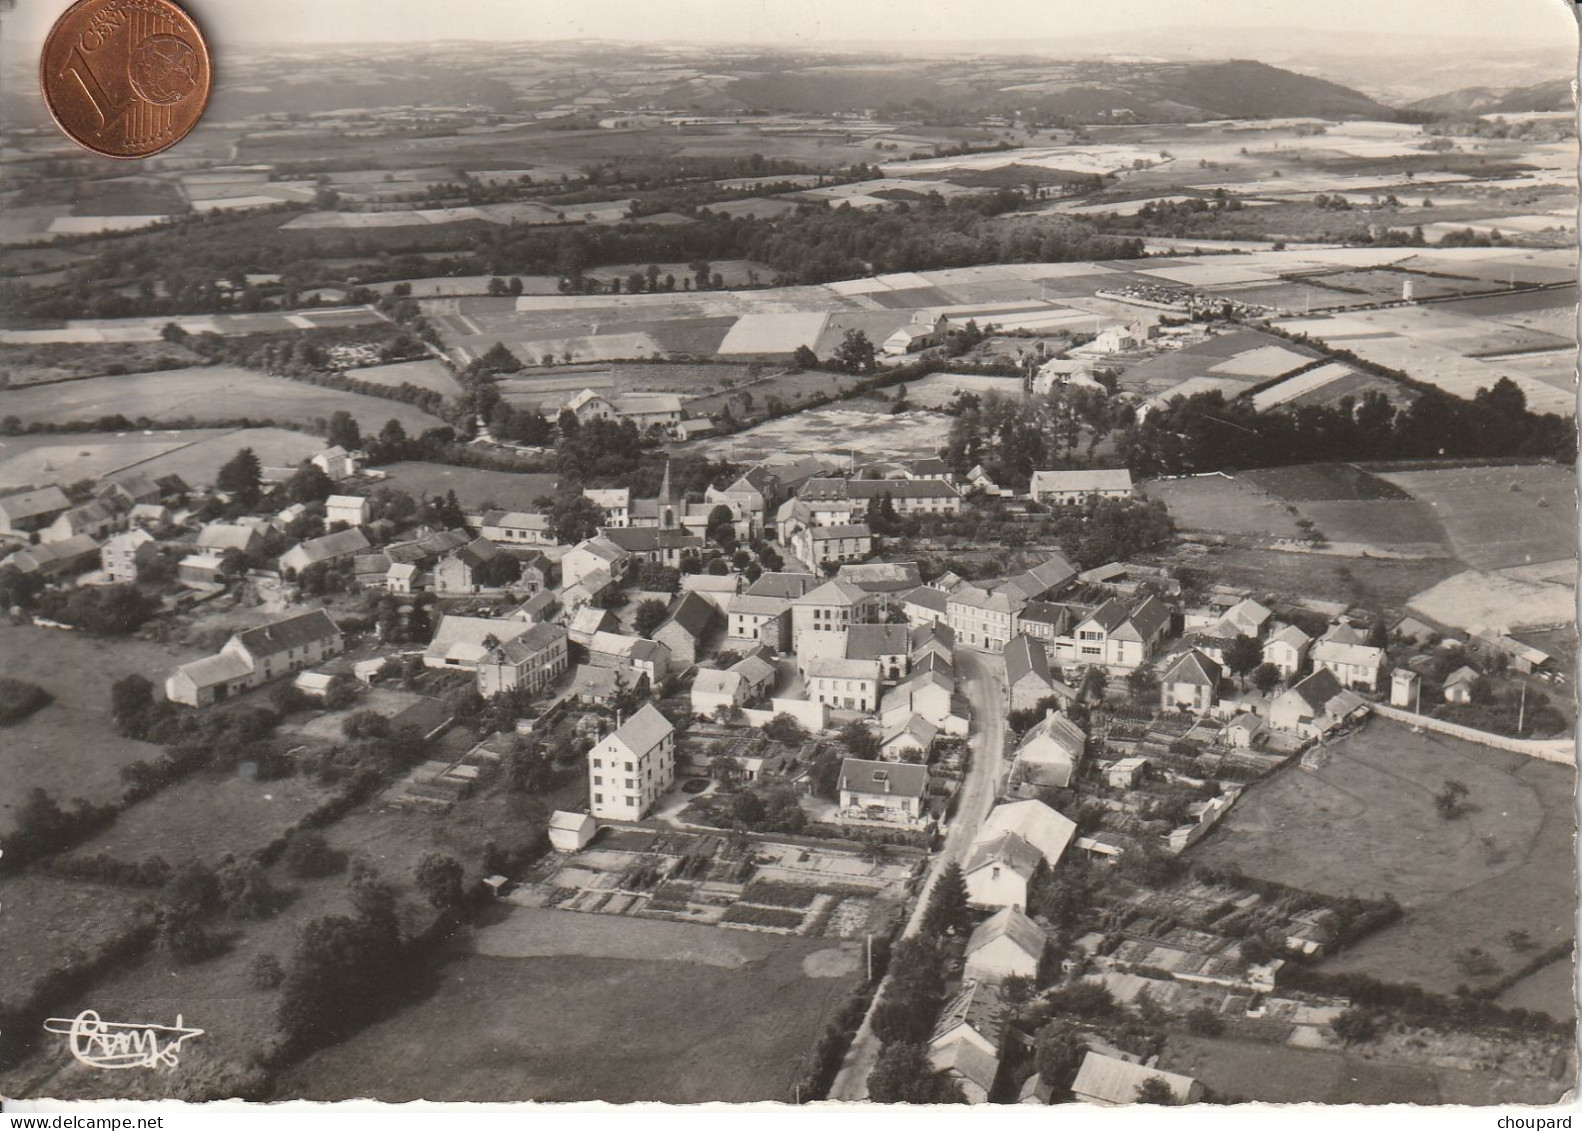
827	23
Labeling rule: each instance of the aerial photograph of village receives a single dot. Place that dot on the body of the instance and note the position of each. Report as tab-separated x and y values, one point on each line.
1036	567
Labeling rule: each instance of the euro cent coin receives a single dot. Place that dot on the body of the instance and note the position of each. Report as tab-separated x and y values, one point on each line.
125	78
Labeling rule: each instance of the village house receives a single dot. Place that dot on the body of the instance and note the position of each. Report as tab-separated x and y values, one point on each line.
885	793
337	462
1005	945
1109	1081
909	742
97	520
645	410
755	493
922	332
1049	752
325	550
930	693
713	689
759	619
467	569
840	542
54	561
967	1037
889	644
516	528
541	606
1063	371
687	627
1044	581
596	553
1316	706
925	605
615	650
1027	672
633	767
1066	488
1286	649
885	580
461	642
353	510
27	511
587	622
907	496
999	869
845	685
201	570
219	537
530	662
615	502
254	656
1355	664
981	618
832	607
123	557
1191	683
1117	637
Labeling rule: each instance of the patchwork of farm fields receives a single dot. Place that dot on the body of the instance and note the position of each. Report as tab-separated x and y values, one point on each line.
1365	823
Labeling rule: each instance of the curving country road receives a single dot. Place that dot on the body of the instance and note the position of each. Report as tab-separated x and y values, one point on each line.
983	684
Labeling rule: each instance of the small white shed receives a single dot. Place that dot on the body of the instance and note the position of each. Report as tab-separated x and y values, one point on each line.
569	832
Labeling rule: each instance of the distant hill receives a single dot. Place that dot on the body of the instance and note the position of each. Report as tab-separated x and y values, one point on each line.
1553	95
1089	91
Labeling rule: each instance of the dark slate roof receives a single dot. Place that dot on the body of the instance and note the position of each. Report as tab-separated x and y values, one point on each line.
903	778
1024	656
693	613
293	632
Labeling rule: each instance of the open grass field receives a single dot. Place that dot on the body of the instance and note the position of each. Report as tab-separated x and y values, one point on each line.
1328	577
940	389
837	432
198	462
205	391
43	914
28	365
71	747
566	1025
474	486
1281	1074
1477	600
1224	504
1315	482
1365	823
1500	516
1402	526
1265	1073
426	374
207	816
41	459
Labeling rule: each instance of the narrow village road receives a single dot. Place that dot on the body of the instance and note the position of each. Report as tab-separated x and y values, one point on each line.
982	677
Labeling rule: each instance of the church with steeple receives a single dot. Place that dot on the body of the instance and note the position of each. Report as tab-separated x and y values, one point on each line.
665	512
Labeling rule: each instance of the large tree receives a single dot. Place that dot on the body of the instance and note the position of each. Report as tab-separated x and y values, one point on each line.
903	1074
650	614
1059	1053
948	912
241	478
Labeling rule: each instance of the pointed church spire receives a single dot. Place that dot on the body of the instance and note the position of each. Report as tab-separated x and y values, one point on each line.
667	500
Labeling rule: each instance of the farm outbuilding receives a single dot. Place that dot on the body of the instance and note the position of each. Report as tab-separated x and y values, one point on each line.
571	832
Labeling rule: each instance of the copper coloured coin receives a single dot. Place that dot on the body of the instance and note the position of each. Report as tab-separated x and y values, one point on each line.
125	78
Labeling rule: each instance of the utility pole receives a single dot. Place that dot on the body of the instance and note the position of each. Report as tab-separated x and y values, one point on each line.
1521	711
870	957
